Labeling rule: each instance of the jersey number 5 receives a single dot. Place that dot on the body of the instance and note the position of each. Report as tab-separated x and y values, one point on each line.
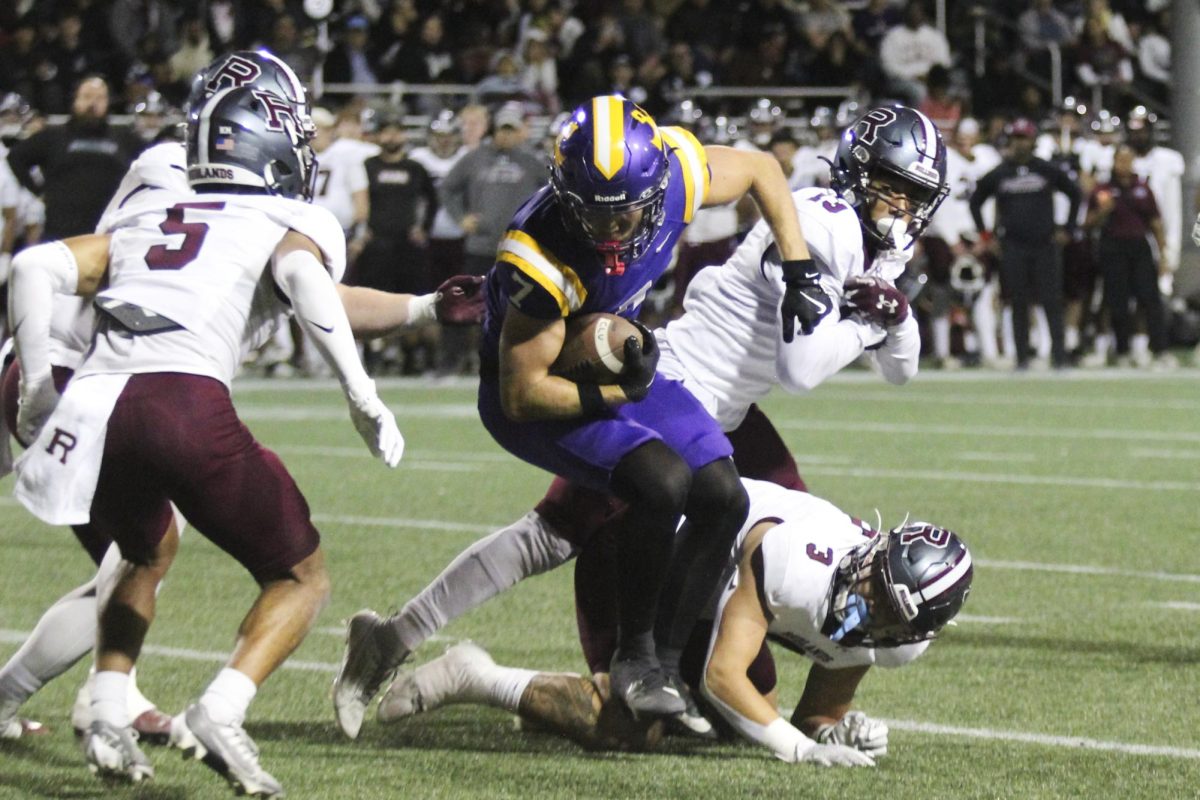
162	257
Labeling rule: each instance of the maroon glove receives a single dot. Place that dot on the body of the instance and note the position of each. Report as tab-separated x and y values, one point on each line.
877	300
460	300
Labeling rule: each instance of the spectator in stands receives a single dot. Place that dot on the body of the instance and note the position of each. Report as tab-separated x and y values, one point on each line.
21	65
439	61
473	123
1100	60
681	76
1024	188
540	72
482	192
705	25
642	30
504	83
1043	25
940	104
756	20
132	22
834	64
226	25
73	58
908	51
78	165
1113	23
397	56
285	42
1154	57
1124	211
623	79
822	20
194	53
872	22
765	63
349	61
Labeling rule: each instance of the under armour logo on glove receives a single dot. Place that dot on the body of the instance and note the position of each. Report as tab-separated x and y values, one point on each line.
877	300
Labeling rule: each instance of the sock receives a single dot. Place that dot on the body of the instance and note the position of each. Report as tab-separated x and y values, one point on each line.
108	698
941	337
508	685
64	634
467	674
135	701
489	566
228	696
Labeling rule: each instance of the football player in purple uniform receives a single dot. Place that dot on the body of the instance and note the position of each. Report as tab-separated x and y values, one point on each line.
596	239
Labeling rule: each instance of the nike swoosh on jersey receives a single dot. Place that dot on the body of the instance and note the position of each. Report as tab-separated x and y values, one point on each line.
322	327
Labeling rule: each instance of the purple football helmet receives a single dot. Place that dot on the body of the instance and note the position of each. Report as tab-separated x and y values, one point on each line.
257	68
899	145
901	588
610	163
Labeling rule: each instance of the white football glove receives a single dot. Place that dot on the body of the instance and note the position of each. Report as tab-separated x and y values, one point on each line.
375	423
1196	231
835	755
37	401
856	730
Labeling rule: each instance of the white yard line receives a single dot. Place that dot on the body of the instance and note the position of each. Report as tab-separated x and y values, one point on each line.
975	619
1176	605
1002	431
1072	742
1176	455
993	399
990	734
1084	569
998	458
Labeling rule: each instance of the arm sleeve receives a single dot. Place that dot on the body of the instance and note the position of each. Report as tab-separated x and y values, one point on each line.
898	357
806	361
315	300
38	273
780	736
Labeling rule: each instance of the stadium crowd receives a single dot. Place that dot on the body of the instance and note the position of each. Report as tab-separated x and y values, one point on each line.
508	69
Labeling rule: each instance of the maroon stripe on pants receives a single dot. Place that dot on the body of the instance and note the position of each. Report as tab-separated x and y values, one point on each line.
176	437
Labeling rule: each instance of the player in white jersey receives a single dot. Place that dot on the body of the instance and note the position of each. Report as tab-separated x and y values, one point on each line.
147	421
1162	168
728	351
66	632
802	574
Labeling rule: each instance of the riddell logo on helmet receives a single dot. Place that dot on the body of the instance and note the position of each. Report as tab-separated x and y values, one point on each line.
609	198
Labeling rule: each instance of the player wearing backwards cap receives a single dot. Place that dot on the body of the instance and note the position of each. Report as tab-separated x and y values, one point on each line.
728	351
803	575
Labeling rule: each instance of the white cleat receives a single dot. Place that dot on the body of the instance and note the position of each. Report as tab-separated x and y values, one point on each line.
112	752
225	749
365	668
452	678
15	727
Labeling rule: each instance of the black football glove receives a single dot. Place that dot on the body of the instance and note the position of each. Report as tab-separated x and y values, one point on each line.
641	361
803	298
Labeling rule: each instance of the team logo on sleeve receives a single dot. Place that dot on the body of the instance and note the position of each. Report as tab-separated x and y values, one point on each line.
235	72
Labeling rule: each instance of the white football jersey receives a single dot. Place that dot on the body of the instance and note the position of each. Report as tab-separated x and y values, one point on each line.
800	556
1163	169
444	226
726	345
202	262
340	174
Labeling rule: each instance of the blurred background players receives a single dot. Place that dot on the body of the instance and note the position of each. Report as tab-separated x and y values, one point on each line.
481	193
394	258
1030	265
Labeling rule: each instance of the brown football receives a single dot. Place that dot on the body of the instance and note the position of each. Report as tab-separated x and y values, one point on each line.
594	348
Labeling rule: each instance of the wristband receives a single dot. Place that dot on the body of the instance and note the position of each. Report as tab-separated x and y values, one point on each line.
786	740
800	269
422	308
591	400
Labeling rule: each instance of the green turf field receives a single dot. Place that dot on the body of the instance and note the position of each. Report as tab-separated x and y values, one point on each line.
1074	671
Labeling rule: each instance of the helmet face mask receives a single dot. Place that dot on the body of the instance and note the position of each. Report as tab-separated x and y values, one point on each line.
610	174
896	149
901	588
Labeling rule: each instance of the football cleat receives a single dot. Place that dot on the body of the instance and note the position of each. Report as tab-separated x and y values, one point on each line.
112	752
452	678
691	721
15	727
645	688
365	668
225	749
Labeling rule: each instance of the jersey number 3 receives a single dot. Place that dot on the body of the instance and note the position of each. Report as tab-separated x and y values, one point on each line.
162	257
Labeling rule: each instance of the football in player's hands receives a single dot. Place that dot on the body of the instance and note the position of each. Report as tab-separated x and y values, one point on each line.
877	300
596	347
460	300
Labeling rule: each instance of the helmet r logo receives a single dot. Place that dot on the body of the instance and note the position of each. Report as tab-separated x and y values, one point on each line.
873	121
235	72
277	110
937	537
